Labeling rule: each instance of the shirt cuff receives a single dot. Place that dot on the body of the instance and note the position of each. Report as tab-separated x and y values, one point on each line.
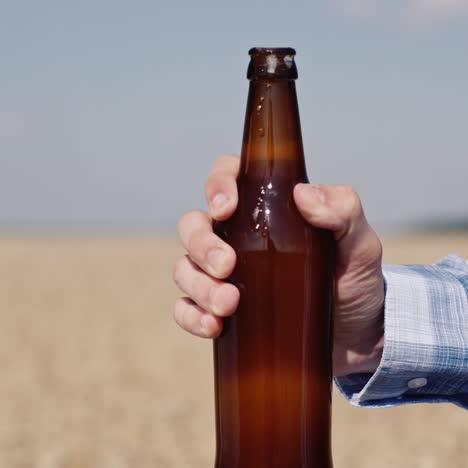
425	354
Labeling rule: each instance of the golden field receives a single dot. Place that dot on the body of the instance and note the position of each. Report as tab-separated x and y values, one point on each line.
94	373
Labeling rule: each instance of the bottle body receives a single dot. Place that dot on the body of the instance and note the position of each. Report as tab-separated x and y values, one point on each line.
273	358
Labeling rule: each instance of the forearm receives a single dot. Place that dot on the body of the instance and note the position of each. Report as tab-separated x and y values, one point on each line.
424	355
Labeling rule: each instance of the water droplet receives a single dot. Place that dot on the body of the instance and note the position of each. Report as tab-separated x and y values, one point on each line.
259	108
261	132
288	60
270	185
262	98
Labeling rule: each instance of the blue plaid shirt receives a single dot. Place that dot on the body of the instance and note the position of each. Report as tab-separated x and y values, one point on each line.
425	356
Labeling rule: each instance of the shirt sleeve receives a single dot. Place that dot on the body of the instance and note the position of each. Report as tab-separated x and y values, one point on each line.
425	354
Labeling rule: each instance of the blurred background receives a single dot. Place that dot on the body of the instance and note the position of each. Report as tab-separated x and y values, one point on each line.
111	114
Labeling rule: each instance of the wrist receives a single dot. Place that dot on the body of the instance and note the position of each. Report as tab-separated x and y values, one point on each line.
362	357
367	362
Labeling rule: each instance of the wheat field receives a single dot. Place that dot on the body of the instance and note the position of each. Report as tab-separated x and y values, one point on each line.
96	375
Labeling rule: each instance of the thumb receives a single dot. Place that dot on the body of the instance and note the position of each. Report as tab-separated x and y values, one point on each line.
338	208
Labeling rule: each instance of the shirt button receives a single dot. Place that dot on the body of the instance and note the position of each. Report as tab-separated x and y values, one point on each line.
417	383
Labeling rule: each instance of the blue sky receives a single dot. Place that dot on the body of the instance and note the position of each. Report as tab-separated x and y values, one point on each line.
111	113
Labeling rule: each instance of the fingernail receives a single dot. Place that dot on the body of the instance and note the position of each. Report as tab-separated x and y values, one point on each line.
214	299
218	202
215	257
204	326
313	190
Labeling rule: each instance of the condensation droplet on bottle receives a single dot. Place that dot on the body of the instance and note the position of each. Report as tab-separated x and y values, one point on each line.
255	213
260	220
259	108
288	60
270	186
261	132
262	98
272	63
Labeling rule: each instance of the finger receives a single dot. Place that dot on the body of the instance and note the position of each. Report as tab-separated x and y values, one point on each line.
339	209
331	207
195	320
211	295
221	187
204	247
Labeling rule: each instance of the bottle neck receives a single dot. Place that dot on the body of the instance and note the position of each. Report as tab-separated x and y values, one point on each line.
272	132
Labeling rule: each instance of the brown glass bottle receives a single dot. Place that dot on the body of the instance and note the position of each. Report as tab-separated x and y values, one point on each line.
273	360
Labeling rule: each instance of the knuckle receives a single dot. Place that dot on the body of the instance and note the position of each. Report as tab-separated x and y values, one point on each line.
184	221
214	184
190	218
179	307
353	202
183	312
196	243
178	271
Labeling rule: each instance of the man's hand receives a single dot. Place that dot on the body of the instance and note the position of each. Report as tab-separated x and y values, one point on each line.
359	284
